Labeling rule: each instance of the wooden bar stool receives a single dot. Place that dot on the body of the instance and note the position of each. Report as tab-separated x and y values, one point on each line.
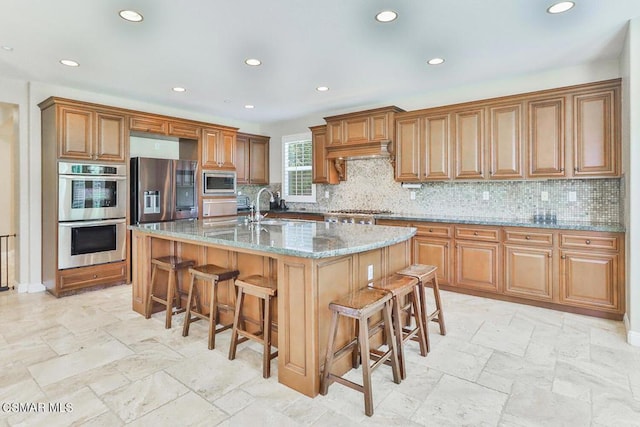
263	288
361	305
211	274
400	287
172	265
425	274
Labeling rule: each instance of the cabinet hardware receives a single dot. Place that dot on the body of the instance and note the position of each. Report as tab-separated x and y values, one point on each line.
431	230
563	257
588	242
475	233
561	169
551	255
576	169
95	276
528	237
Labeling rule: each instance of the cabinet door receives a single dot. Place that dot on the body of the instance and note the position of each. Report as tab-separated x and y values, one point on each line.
149	124
210	142
477	265
595	134
111	140
184	130
75	133
546	138
334	132
436	143
408	150
227	150
379	126
505	141
242	159
528	272
355	130
259	161
468	135
434	252
589	279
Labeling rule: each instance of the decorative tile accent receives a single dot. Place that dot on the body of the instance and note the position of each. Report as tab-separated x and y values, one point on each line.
370	185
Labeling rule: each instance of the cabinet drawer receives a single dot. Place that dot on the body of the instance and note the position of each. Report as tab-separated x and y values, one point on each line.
477	233
587	241
432	230
528	237
186	130
104	274
148	124
394	222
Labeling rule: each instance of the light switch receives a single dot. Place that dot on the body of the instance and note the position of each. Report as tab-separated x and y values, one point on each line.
544	195
370	272
485	195
572	196
412	195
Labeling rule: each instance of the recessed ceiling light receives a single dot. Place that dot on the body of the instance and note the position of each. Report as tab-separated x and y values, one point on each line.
249	107
130	15
69	63
322	88
7	48
386	16
560	7
253	62
435	61
179	89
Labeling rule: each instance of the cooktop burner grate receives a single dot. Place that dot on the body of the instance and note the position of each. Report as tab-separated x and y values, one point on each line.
360	212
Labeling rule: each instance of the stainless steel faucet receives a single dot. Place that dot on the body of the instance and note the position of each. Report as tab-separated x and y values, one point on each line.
258	217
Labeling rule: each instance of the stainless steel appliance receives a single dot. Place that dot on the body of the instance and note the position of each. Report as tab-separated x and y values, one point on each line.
91	191
354	216
219	183
82	243
219	206
163	189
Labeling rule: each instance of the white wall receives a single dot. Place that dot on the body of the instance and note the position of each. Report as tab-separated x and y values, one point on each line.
630	67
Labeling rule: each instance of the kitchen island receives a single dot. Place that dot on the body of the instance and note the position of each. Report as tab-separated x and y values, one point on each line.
313	262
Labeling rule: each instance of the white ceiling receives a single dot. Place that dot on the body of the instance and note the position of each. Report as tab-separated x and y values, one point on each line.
202	45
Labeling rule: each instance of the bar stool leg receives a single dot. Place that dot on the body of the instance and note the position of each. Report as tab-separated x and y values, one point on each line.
266	335
236	320
366	366
422	338
436	288
147	312
397	327
170	296
187	315
391	343
328	362
213	315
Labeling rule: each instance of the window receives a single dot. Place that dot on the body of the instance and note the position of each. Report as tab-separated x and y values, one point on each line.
297	169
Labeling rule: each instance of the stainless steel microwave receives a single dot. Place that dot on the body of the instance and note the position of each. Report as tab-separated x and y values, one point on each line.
219	183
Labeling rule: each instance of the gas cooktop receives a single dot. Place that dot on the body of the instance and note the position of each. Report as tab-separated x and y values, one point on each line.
360	212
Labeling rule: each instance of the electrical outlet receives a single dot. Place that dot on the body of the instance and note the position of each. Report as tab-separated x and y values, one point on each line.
544	196
370	272
239	193
572	196
485	195
326	194
412	195
156	146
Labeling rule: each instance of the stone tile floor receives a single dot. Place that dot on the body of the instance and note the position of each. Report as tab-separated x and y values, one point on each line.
500	364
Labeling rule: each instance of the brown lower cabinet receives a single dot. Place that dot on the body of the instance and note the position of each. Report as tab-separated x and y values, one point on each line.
72	279
576	271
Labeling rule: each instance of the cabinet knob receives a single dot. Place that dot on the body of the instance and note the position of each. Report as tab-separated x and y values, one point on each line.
475	233
563	257
490	172
576	169
550	255
95	276
561	169
431	230
528	237
588	242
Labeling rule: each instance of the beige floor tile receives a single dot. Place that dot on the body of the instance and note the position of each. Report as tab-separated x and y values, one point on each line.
186	410
510	338
446	405
62	367
148	357
234	401
100	379
141	397
459	358
30	350
615	410
518	369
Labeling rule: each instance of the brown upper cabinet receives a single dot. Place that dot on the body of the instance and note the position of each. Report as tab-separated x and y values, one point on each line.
218	149
163	126
252	159
323	170
87	133
360	127
571	132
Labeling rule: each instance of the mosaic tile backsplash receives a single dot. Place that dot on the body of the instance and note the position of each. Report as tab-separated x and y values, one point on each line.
370	185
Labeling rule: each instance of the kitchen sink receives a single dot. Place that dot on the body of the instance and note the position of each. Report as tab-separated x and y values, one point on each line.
273	222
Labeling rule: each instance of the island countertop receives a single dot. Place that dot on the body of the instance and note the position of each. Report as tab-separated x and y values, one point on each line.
305	239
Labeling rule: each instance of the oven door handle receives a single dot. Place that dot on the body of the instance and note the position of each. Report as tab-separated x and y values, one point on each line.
92	223
95	177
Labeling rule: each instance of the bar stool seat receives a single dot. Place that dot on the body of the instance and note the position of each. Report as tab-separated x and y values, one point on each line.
264	288
211	274
400	287
425	274
361	305
172	265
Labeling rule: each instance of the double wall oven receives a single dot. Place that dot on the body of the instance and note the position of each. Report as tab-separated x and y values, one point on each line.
92	209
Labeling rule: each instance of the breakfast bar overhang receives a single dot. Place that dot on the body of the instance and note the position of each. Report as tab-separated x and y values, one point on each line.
313	262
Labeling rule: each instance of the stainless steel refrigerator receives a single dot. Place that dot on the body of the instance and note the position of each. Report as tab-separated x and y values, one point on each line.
163	189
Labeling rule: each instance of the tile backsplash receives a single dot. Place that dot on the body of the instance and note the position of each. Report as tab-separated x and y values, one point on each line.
370	185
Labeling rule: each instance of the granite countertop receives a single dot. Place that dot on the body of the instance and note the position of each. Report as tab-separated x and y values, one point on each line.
499	222
306	239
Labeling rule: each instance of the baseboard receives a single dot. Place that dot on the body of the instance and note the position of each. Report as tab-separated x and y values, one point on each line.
31	288
633	337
